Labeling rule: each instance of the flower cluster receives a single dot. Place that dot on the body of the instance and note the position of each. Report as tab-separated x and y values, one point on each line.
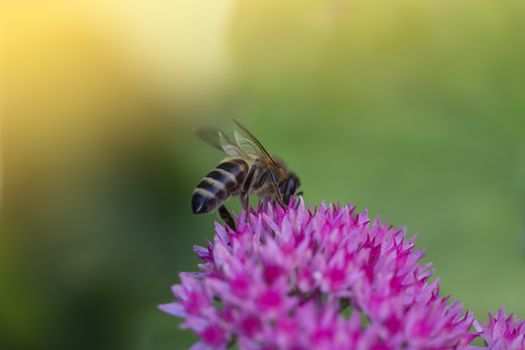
503	332
321	278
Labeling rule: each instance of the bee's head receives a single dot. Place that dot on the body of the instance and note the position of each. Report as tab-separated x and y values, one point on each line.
289	186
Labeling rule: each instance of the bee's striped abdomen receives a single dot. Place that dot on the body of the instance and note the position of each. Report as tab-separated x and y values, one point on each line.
222	182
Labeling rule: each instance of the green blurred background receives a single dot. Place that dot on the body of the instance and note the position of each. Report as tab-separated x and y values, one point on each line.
412	109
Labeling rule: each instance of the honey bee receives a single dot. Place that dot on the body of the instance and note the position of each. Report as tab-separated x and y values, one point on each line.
248	169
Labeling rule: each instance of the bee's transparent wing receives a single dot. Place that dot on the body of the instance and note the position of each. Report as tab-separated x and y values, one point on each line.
229	147
246	145
215	138
249	144
210	136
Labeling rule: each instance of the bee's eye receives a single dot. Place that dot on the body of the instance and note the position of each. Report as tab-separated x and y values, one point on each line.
292	186
288	188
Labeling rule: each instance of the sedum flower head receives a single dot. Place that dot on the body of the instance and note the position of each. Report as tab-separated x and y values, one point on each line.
503	332
316	278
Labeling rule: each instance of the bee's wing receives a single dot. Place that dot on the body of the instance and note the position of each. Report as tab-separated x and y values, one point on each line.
215	137
210	136
249	144
246	145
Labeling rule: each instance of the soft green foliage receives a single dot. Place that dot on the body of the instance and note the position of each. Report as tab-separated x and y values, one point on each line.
412	109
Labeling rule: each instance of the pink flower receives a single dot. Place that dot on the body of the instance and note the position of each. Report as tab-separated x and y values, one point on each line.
503	332
322	278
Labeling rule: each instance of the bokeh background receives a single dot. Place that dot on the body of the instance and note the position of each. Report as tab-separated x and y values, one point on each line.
412	109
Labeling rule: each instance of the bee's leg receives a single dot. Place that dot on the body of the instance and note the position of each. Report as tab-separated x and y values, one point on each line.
245	204
245	199
262	179
277	190
227	217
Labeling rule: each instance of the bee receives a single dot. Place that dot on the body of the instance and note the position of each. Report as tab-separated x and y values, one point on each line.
247	170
